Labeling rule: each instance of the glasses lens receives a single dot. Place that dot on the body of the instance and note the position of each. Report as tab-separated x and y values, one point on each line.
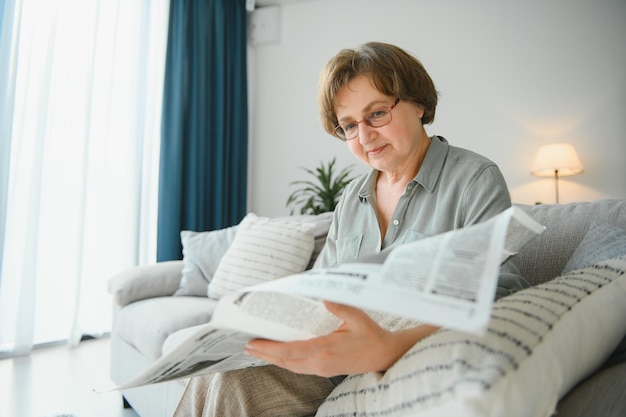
347	131
350	130
339	132
379	118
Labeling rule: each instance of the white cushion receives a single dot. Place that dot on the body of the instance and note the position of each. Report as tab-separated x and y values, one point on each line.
541	341
263	249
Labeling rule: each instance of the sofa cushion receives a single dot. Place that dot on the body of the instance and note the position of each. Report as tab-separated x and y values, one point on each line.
566	224
202	252
321	223
601	242
146	324
541	341
603	394
263	249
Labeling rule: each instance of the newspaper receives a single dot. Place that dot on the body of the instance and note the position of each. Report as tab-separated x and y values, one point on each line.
447	280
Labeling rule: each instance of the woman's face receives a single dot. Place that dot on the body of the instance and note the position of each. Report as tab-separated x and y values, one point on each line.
390	148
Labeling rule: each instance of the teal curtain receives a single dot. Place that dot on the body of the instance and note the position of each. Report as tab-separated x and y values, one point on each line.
204	143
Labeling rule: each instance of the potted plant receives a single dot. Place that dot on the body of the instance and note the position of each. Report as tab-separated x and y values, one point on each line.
321	194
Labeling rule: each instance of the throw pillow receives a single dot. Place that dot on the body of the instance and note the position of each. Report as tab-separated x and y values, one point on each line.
202	252
540	342
602	241
263	249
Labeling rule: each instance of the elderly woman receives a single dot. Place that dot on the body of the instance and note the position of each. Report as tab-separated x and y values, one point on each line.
377	98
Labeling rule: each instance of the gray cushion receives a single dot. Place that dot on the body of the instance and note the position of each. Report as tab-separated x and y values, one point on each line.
202	252
545	257
603	394
601	242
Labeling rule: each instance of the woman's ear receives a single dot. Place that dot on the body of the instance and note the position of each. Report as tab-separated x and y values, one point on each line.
420	111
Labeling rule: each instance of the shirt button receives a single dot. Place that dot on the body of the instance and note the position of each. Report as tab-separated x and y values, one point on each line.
396	222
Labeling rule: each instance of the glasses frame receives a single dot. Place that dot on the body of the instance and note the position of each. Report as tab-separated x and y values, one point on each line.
366	121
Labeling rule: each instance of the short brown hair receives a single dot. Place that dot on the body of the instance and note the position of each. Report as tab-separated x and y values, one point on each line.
392	70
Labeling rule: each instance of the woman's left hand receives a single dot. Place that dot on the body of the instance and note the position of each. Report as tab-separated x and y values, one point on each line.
359	345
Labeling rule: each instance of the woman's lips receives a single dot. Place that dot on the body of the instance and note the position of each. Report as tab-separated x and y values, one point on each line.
375	152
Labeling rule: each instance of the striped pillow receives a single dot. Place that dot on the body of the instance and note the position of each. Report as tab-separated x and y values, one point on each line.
541	341
263	249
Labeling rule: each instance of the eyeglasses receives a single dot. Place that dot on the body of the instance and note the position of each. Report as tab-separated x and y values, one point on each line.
377	118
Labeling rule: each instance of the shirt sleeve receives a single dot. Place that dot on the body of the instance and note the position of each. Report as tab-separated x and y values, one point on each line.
486	197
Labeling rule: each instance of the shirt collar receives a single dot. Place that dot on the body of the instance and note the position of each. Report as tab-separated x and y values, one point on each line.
431	168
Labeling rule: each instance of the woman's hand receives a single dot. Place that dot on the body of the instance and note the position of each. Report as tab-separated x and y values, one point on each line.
359	345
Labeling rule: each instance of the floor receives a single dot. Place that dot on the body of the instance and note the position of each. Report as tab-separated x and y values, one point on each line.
59	381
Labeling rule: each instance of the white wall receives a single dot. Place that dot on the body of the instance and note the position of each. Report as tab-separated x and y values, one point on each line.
511	75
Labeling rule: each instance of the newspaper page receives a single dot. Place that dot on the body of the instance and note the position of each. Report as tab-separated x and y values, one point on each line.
205	349
447	280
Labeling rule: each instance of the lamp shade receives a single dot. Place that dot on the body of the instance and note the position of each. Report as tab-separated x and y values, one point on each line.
558	158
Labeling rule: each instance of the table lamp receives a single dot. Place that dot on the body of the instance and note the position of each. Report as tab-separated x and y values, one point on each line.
557	159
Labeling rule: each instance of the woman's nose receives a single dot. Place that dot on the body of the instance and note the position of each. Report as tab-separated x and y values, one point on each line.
365	133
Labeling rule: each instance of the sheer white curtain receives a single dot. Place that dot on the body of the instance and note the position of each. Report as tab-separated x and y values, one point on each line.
83	98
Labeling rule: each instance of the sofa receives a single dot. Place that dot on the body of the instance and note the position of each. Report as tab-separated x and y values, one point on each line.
577	359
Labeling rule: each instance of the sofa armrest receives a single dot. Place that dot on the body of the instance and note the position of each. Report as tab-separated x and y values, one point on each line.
149	281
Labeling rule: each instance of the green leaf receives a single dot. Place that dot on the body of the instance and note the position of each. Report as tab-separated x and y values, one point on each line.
322	193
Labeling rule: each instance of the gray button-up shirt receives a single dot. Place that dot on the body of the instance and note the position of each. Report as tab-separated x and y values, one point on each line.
454	188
